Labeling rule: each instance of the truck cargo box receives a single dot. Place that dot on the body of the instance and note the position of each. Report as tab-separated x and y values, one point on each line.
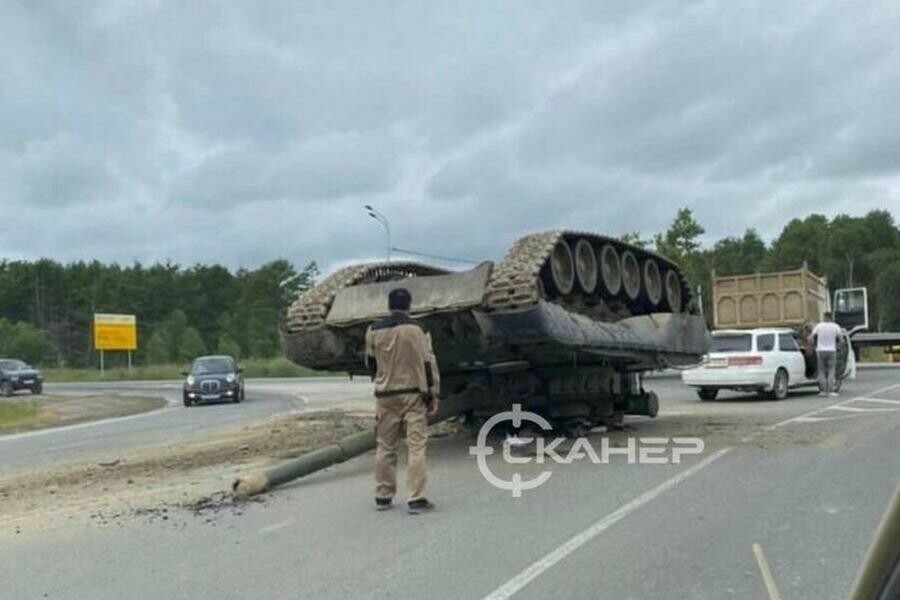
782	299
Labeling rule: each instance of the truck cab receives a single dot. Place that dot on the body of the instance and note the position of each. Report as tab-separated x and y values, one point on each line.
851	309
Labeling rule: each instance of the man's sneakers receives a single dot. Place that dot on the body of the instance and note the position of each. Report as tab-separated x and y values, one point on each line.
419	506
415	506
833	394
822	394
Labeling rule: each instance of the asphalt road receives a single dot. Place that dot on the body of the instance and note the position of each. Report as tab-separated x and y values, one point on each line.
806	478
110	438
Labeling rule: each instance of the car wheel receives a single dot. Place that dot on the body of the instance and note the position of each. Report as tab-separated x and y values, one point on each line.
779	385
707	394
187	401
37	389
237	397
6	388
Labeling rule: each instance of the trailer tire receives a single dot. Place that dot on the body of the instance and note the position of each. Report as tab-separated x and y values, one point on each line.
707	394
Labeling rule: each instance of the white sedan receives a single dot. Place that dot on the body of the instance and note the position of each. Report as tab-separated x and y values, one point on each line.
767	361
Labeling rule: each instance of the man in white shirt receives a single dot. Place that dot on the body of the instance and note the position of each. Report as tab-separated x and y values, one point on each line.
828	336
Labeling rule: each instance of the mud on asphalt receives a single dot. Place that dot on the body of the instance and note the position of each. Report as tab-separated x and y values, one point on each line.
169	483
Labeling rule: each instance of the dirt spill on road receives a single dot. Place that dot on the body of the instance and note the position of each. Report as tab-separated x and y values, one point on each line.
166	484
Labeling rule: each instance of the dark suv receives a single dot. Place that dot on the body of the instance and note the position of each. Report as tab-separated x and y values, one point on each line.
16	375
213	379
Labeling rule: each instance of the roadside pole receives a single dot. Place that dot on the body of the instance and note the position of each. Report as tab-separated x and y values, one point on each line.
101	363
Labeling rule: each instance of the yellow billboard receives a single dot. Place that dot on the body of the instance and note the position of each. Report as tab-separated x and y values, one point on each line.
115	332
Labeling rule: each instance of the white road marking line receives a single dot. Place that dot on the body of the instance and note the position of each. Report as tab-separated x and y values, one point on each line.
766	573
526	576
802	418
857	409
884	400
823	419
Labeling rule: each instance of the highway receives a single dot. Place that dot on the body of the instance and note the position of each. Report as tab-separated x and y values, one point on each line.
806	478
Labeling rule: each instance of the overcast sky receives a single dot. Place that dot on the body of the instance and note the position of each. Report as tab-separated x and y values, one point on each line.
239	132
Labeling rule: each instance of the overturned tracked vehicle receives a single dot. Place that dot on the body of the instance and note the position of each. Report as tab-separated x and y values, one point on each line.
564	325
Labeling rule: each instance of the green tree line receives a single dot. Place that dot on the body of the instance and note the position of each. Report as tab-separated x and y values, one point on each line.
848	251
47	308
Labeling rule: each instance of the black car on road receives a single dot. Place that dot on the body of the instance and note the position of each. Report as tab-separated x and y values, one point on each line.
16	375
213	379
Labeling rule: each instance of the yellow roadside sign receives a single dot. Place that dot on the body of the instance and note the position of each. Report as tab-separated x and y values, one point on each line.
115	332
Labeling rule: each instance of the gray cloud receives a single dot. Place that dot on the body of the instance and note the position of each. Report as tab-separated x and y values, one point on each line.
142	130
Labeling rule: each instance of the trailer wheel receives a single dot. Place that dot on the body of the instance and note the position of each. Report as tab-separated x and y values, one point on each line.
707	394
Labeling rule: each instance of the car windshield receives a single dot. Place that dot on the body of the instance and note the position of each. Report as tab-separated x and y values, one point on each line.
12	365
212	365
731	342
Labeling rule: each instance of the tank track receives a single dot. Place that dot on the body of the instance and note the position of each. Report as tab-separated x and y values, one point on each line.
312	306
516	283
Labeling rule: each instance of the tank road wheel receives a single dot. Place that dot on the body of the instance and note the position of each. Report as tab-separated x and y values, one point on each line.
631	275
673	291
653	286
586	266
611	270
562	268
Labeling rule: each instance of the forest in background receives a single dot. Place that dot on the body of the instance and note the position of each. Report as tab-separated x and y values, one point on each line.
46	308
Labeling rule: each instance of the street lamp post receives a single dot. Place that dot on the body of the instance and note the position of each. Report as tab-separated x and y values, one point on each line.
378	216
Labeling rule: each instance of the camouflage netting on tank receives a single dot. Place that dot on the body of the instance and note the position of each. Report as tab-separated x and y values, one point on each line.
312	306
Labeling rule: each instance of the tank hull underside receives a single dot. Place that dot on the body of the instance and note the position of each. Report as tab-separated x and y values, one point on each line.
545	334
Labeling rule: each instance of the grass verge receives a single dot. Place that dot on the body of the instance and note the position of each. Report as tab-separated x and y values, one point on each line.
874	354
14	414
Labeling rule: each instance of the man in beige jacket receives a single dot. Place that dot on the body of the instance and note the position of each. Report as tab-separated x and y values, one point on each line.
401	360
